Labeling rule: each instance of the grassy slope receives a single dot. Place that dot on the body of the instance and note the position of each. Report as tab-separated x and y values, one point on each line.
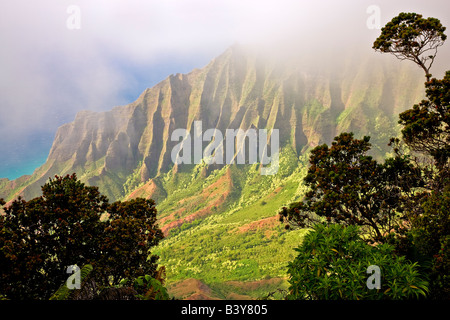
241	239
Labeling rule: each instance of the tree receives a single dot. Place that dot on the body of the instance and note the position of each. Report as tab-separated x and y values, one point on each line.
130	232
333	263
431	234
73	224
409	36
426	131
347	186
400	201
426	127
42	237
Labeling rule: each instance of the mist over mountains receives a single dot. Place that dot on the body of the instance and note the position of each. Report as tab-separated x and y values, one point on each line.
308	99
50	72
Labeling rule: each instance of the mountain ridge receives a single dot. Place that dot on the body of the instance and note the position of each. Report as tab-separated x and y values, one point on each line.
235	90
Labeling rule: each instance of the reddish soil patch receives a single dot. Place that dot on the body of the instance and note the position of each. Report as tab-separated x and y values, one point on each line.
191	289
273	193
171	216
213	197
146	191
194	289
235	296
254	285
267	223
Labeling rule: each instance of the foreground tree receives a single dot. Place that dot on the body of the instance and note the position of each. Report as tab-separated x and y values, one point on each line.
409	36
426	132
73	224
426	127
349	187
130	232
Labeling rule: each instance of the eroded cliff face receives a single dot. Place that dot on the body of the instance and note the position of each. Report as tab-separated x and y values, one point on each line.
310	103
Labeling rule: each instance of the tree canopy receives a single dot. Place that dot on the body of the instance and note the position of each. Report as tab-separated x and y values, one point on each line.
348	186
73	224
426	127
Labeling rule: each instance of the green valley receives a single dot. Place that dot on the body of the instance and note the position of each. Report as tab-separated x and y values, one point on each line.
222	232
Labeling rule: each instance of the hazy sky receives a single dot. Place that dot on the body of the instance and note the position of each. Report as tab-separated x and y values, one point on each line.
58	57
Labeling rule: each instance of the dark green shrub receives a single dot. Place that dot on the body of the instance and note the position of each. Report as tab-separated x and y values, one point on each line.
431	239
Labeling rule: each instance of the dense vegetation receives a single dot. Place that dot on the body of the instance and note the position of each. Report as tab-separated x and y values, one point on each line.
348	186
401	203
236	242
333	263
74	225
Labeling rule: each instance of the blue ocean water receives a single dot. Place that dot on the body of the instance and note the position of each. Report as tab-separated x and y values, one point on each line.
15	170
23	155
